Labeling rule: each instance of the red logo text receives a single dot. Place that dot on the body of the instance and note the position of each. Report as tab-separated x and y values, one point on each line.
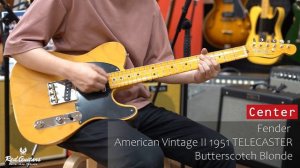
272	111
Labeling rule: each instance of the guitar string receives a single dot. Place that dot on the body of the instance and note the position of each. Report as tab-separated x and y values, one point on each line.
161	67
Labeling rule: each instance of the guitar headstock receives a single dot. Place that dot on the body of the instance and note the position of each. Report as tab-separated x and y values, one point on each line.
270	49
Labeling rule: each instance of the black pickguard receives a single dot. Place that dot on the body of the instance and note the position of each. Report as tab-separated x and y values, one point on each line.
100	104
266	26
238	9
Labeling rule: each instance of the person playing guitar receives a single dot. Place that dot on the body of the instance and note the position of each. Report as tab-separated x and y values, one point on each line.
79	26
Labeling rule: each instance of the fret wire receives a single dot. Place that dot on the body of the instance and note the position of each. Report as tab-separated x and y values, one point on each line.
179	65
234	54
165	68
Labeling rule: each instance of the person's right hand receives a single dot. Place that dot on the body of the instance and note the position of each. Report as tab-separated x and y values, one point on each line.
87	77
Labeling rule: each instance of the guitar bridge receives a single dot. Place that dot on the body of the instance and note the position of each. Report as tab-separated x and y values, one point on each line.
228	14
227	32
61	92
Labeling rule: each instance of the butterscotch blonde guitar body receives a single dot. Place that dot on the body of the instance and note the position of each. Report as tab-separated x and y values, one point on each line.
225	32
255	14
31	101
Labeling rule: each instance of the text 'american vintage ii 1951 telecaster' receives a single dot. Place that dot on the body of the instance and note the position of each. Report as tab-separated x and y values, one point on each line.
227	24
266	24
49	109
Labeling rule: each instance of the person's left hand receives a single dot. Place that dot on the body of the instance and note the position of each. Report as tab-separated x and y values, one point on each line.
208	68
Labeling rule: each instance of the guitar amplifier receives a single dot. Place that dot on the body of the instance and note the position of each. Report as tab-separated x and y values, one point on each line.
203	99
169	95
247	135
20	147
288	75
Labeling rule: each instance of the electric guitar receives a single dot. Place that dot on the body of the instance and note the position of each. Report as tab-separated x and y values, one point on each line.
227	24
294	32
49	109
266	26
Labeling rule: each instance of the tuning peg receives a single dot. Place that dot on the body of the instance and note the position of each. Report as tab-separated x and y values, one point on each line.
288	42
274	41
268	43
273	50
281	41
261	39
254	42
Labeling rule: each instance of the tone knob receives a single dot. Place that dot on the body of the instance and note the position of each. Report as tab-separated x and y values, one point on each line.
59	120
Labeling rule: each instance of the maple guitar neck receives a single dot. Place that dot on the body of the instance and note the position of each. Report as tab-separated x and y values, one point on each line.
154	71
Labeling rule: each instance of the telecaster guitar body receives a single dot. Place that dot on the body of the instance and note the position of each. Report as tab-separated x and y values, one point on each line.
32	95
294	32
49	109
227	24
266	26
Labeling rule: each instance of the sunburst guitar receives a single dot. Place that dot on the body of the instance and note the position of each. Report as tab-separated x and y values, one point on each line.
266	23
49	109
227	24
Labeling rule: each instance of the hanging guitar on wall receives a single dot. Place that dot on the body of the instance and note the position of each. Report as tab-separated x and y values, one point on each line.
227	24
266	24
294	32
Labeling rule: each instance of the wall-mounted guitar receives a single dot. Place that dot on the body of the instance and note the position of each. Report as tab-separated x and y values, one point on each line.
227	24
266	24
48	109
294	32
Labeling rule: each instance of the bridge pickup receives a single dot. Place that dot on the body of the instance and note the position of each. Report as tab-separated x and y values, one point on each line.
227	32
58	120
227	14
61	92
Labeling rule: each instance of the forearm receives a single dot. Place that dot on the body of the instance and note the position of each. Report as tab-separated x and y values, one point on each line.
42	61
85	76
182	78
